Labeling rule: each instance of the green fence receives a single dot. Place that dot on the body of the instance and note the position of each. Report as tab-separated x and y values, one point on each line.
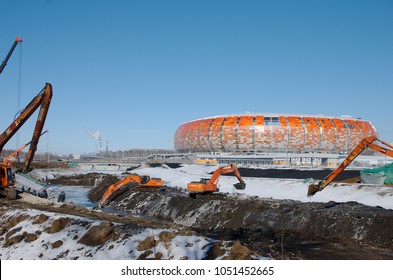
387	170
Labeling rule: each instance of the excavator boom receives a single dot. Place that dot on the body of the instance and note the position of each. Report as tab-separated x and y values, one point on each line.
7	177
140	181
204	186
42	100
367	142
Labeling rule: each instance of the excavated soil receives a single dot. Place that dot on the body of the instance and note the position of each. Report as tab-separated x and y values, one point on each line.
276	228
288	228
280	229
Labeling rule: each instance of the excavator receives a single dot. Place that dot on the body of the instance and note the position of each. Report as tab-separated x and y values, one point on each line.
4	63
7	176
368	142
208	186
141	181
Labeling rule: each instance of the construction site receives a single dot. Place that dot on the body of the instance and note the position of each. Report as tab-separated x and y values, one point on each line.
241	187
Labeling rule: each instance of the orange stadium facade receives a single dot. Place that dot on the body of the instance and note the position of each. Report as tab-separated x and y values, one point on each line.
272	133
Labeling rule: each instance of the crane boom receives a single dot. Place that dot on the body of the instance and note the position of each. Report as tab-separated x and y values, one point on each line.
42	100
367	142
4	63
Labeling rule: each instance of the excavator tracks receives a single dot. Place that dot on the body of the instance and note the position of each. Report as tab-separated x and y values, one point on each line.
209	196
147	189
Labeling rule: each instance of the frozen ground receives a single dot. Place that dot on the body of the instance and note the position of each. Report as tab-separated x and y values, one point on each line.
296	189
48	235
66	245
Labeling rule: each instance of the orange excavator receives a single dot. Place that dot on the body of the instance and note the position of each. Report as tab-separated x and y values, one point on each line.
141	182
42	100
368	142
207	186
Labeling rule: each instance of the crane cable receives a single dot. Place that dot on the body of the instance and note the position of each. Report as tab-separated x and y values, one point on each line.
19	88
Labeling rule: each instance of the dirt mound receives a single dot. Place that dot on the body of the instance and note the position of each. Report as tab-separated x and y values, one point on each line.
58	225
277	228
230	250
77	180
103	183
40	165
76	238
97	235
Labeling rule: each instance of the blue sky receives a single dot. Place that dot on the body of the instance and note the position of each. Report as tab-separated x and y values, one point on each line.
136	70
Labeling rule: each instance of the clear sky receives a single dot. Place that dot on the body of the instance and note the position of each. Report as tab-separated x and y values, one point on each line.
134	70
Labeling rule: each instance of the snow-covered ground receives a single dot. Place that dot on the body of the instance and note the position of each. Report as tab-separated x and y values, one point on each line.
373	195
295	189
40	243
62	244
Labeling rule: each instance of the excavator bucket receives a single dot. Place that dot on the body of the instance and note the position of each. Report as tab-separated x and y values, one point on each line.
312	189
240	186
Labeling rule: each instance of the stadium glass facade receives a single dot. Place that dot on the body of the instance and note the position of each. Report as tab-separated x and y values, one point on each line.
267	133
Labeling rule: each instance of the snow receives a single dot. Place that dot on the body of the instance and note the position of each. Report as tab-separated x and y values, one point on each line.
294	189
181	246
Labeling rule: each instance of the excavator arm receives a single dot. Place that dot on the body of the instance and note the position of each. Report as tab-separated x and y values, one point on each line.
367	142
140	180
204	186
225	170
241	185
114	187
42	100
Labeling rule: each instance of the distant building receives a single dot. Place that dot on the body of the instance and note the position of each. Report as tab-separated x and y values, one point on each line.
76	156
272	133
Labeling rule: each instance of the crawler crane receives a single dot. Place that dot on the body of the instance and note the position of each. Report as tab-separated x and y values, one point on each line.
43	100
206	186
367	142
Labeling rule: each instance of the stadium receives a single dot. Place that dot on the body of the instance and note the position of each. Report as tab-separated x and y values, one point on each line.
272	133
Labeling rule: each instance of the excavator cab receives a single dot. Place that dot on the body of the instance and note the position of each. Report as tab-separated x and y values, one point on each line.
7	176
147	181
144	179
204	180
7	179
